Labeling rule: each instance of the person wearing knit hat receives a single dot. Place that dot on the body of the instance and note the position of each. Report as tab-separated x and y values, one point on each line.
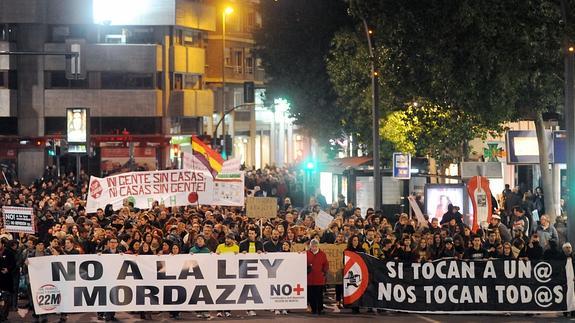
70	220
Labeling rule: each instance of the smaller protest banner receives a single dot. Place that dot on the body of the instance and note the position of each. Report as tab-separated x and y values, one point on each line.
261	207
298	247
334	253
19	219
323	220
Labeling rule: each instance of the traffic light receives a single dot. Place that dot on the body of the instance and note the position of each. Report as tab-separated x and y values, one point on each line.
228	149
309	165
51	149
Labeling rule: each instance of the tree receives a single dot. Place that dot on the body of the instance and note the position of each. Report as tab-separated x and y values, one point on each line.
497	60
430	130
292	43
423	128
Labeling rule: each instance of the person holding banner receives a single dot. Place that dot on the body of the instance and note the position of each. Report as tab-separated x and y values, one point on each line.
251	245
7	270
39	251
199	247
112	248
229	246
318	267
476	251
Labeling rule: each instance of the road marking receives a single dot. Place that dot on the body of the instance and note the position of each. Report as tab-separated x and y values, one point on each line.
427	319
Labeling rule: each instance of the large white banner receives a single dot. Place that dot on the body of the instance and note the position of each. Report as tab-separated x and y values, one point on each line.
200	282
171	187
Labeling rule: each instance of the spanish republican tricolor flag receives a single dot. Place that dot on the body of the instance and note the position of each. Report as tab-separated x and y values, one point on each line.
207	156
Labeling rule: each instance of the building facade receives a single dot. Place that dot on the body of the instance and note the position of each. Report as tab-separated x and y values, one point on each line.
152	73
144	64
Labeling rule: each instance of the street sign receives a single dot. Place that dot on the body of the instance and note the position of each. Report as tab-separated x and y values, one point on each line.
401	166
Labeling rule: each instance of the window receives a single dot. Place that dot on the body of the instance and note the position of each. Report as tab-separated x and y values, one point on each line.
59	33
178	82
179	37
58	80
249	62
233	23
192	82
8	80
7	33
228	57
251	20
190	38
239	60
121	80
140	35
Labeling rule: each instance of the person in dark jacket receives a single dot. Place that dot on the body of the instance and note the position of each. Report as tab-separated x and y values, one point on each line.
7	270
452	214
405	252
318	267
448	251
251	244
534	250
512	199
552	253
353	244
274	244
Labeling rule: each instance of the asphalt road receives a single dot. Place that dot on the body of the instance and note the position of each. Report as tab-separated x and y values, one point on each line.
301	316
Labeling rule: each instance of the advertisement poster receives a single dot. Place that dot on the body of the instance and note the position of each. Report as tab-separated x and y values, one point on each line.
116	160
439	196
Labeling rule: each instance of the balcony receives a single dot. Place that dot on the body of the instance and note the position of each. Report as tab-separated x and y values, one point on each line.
188	60
8	106
111	57
195	15
191	103
105	103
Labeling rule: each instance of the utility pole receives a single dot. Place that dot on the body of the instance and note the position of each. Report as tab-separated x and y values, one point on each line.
569	113
375	121
570	126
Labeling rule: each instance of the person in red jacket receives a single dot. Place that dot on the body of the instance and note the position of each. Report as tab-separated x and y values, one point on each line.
317	267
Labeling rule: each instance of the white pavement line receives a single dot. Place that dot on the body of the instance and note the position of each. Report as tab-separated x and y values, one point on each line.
427	319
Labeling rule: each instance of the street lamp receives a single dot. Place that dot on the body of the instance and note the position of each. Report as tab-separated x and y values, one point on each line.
375	121
227	11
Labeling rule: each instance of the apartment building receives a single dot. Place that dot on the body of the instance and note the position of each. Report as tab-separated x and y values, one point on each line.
144	63
262	134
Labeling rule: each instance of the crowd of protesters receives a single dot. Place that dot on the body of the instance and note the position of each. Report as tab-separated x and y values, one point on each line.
64	228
